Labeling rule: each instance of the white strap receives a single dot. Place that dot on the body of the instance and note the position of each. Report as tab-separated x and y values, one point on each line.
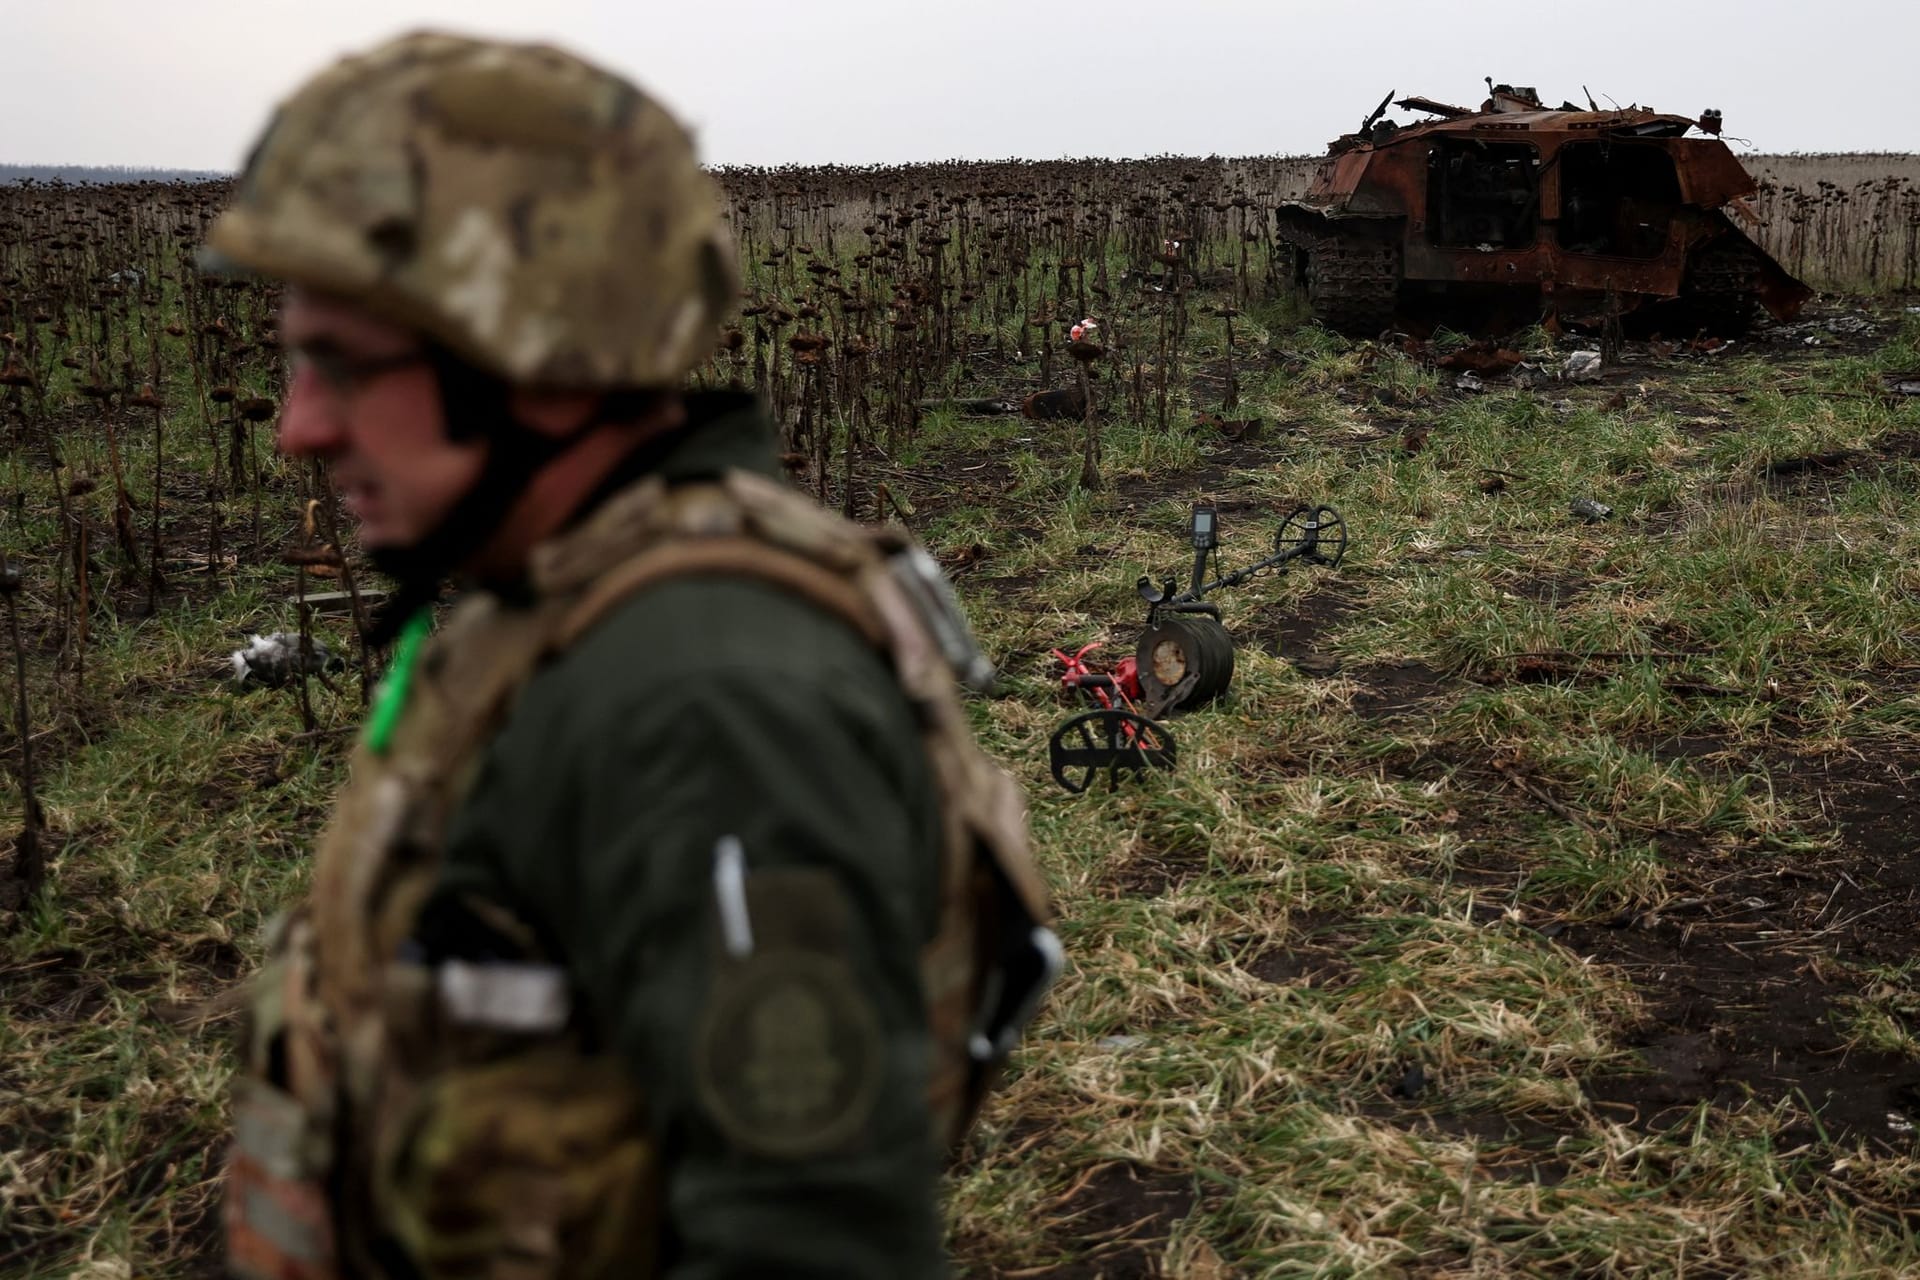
524	998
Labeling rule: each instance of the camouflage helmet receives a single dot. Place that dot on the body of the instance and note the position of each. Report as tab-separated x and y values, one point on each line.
540	217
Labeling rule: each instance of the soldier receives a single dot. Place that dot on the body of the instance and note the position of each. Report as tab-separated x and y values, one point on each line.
670	923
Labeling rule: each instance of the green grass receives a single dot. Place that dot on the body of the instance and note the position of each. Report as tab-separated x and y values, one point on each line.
1346	885
1711	606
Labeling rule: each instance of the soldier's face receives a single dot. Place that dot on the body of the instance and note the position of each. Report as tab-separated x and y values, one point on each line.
364	400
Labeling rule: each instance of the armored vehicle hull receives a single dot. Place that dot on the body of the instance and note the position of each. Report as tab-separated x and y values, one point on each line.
1573	216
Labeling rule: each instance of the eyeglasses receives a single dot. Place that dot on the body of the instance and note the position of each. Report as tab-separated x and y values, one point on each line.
346	375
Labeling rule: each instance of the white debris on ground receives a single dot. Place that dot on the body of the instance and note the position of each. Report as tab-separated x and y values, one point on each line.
1817	332
1528	376
1582	366
273	660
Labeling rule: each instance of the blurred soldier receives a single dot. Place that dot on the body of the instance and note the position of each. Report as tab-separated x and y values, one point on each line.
671	923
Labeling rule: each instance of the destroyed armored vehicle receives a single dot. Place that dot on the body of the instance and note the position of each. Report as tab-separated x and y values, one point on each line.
1533	213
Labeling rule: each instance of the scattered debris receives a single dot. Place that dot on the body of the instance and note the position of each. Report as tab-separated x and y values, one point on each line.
1527	376
1815	333
1469	382
1582	366
986	406
1485	358
1589	510
275	659
1902	384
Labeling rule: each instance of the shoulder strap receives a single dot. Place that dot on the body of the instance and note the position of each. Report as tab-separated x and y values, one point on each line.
725	556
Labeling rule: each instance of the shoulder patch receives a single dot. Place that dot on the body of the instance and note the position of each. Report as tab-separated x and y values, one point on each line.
789	1059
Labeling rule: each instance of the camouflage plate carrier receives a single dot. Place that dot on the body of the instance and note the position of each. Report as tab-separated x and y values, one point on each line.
396	1119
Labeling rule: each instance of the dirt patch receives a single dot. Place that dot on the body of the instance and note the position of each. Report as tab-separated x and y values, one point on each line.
221	960
1301	966
1750	969
1213	478
1558	590
1113	1225
1733	1025
1313	955
1679	746
1392	691
1299	630
1151	873
1818	474
1010	586
13	884
1511	1147
55	986
1843	328
1899	446
1272	762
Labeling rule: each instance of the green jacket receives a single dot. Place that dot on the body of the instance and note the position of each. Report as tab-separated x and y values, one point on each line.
699	709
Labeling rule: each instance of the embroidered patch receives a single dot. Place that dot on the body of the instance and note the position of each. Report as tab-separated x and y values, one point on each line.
789	1058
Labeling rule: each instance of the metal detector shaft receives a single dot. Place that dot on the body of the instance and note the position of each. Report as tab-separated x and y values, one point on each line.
1239	576
1309	522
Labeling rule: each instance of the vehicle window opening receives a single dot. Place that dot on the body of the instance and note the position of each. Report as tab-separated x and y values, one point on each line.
1483	193
1616	199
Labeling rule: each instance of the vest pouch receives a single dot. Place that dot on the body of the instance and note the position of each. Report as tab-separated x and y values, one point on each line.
536	1166
277	1214
279	1225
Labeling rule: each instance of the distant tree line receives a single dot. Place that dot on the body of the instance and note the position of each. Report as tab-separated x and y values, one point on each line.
12	173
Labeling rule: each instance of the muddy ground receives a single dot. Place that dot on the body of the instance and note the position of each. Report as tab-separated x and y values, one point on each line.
1747	970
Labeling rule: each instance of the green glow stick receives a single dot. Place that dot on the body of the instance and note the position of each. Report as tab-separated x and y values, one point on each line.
390	699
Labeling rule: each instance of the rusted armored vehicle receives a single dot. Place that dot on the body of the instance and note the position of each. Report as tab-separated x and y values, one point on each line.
1537	213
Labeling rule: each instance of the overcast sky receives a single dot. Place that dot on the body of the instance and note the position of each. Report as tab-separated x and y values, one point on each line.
186	83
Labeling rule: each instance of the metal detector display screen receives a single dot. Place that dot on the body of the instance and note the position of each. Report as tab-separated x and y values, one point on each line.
1204	530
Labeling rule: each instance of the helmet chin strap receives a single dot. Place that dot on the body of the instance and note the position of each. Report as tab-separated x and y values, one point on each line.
475	406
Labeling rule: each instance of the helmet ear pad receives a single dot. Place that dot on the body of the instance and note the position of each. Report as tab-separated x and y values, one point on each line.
476	405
